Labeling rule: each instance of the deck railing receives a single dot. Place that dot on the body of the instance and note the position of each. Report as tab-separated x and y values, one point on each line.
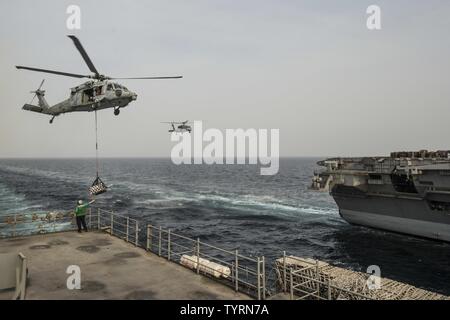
230	267
302	287
245	274
305	281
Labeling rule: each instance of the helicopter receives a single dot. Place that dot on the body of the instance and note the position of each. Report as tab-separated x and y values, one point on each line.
96	94
182	126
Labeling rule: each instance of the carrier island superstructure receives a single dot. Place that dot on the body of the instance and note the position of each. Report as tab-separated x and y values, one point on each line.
406	192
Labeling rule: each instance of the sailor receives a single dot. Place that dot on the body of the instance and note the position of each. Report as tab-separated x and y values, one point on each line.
80	213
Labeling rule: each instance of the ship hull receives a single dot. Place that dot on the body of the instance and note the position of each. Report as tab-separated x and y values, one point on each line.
408	215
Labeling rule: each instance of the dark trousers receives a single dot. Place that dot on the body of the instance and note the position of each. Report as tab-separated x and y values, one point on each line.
81	220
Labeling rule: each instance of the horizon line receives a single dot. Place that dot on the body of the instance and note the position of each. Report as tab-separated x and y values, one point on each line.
129	157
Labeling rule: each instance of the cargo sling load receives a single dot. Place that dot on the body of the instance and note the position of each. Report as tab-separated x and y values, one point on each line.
97	187
406	192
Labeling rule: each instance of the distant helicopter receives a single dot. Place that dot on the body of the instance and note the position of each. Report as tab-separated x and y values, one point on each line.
182	126
96	94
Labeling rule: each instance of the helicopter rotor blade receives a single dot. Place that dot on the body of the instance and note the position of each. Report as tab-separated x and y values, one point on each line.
146	78
73	75
84	54
42	82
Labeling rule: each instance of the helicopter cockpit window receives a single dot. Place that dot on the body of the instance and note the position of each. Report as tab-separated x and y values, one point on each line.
88	95
98	90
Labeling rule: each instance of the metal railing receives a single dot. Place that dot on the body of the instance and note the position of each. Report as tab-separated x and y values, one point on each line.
308	282
245	274
120	226
305	287
242	273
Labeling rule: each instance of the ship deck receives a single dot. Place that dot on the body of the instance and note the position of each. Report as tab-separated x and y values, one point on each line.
110	269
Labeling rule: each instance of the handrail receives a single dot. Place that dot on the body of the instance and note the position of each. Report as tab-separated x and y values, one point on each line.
300	281
245	273
172	245
328	284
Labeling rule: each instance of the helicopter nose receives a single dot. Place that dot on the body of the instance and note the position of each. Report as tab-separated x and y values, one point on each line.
133	96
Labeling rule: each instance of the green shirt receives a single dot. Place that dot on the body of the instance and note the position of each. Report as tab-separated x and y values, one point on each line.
80	210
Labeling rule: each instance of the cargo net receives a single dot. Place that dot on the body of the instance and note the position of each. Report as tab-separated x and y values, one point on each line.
314	279
98	187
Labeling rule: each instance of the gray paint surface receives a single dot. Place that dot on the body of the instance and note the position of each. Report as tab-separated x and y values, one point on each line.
110	269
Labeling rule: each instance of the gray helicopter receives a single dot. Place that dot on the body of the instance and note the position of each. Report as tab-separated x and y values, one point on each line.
96	94
182	126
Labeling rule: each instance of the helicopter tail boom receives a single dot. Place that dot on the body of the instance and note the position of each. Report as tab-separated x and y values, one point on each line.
42	102
42	106
30	107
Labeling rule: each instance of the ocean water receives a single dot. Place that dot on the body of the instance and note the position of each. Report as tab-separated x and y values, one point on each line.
231	206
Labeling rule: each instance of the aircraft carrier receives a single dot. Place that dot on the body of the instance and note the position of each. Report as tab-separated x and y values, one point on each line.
406	192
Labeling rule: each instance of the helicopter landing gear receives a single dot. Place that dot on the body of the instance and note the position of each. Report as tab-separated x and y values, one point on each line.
51	120
116	111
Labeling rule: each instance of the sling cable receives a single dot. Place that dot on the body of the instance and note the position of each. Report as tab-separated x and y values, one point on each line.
98	187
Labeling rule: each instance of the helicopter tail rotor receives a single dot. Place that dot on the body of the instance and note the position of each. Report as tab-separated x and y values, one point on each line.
37	91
